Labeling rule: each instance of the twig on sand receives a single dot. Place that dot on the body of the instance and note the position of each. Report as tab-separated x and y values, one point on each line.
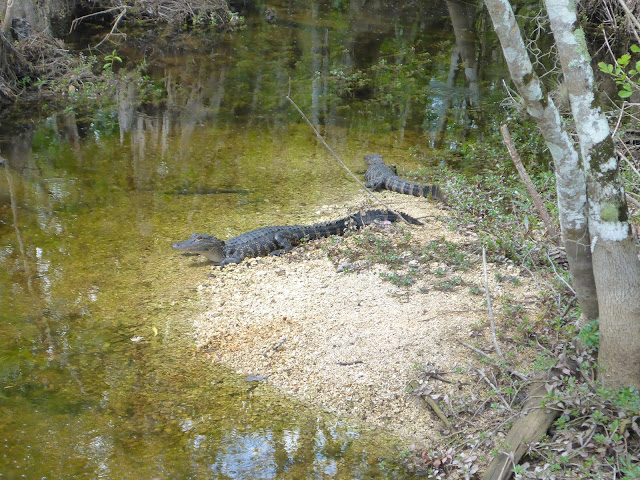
437	410
493	360
491	317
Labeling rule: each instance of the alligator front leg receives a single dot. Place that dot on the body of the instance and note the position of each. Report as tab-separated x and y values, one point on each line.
376	186
229	260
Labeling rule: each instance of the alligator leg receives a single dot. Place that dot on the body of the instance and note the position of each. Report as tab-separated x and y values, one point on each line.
375	186
229	260
284	241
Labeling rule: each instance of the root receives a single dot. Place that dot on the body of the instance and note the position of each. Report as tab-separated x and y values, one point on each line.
13	67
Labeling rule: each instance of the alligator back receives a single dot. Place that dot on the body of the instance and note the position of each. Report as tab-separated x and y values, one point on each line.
379	176
277	239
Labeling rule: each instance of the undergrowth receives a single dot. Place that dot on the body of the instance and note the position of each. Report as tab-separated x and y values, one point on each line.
596	434
597	431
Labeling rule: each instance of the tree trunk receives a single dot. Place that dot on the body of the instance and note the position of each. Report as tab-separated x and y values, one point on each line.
8	17
615	258
571	187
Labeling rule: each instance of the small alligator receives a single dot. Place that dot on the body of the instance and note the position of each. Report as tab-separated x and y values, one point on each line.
379	176
277	239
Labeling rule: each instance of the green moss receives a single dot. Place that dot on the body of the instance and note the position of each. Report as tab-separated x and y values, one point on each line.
582	44
610	212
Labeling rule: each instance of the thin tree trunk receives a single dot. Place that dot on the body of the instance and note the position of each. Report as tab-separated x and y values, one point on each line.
571	187
8	18
615	258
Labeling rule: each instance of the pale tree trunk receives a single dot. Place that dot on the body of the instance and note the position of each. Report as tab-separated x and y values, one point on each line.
462	15
463	53
615	257
8	17
572	199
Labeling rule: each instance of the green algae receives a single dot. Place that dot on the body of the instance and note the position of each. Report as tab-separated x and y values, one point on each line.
99	373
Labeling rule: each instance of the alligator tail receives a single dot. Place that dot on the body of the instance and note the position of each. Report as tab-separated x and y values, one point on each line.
338	227
400	185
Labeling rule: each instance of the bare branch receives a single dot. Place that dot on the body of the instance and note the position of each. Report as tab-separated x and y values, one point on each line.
535	196
632	19
521	376
77	21
115	25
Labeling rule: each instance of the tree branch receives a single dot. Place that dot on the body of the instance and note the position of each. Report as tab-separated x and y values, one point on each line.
288	97
533	193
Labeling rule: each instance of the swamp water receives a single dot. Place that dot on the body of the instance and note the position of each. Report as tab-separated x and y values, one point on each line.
99	377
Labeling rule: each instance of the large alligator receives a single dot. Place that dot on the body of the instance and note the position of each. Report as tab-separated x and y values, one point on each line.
277	239
379	176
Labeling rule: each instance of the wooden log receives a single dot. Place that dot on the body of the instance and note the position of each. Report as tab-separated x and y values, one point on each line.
533	423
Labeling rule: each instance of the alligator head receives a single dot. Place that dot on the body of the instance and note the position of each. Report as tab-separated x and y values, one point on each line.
206	245
373	159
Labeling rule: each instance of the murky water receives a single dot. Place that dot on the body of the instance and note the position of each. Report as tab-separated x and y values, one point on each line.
99	377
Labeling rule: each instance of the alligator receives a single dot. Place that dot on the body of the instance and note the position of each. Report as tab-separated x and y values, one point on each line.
275	240
379	176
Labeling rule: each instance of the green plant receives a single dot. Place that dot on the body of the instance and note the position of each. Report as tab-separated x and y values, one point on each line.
630	469
24	82
625	74
448	285
400	280
110	59
590	335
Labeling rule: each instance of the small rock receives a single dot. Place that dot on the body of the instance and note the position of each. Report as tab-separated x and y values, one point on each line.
344	266
256	378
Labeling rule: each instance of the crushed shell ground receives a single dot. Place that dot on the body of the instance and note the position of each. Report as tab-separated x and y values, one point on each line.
349	341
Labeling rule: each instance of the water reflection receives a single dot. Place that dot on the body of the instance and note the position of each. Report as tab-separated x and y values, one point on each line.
99	377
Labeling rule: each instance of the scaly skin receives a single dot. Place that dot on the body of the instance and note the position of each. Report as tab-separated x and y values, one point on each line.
379	176
277	239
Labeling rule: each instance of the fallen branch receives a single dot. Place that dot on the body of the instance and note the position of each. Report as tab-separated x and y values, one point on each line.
493	360
533	193
76	21
494	388
288	97
437	410
449	312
